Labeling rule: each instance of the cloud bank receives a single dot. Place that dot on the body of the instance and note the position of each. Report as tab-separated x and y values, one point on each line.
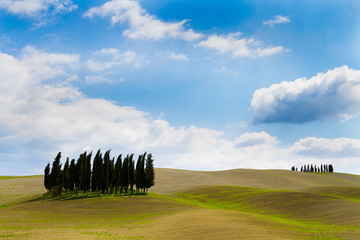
142	24
326	96
43	114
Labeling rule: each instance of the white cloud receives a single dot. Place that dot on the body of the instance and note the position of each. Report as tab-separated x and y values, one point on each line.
34	8
251	139
108	58
330	95
179	56
238	47
327	148
41	116
142	24
276	20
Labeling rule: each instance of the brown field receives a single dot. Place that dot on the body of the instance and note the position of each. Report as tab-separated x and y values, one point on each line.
234	204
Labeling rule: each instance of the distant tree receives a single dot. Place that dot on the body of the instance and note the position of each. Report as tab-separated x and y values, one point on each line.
301	169
66	175
149	172
331	169
293	168
47	177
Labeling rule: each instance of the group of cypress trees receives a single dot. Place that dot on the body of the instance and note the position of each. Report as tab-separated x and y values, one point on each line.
314	168
106	175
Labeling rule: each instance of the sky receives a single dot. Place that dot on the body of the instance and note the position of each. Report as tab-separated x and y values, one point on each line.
202	85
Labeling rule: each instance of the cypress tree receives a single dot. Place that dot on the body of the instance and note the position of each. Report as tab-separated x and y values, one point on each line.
138	173
112	175
66	175
72	175
82	171
131	173
118	166
105	172
125	174
88	172
47	177
96	173
149	172
331	169
142	169
55	175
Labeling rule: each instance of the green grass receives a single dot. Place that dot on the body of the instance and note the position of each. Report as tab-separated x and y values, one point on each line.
248	200
311	212
12	177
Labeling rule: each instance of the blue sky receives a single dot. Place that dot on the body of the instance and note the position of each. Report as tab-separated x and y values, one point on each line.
205	85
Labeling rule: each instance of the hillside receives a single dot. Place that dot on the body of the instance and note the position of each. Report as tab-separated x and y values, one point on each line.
233	204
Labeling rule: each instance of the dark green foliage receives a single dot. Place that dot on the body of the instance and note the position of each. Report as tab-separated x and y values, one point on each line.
131	172
66	175
125	174
118	166
107	175
47	177
72	170
316	169
105	172
55	175
87	175
96	173
138	173
149	172
112	175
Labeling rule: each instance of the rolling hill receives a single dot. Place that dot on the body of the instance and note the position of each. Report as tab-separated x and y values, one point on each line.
233	204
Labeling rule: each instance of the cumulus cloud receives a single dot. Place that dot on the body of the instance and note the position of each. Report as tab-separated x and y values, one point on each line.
251	139
179	56
108	58
142	24
238	47
276	20
34	8
331	95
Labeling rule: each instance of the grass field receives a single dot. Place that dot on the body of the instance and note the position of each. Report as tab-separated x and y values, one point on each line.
234	204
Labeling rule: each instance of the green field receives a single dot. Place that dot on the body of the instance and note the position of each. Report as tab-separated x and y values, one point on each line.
234	204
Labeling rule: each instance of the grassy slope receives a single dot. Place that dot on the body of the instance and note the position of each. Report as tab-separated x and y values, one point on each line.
252	204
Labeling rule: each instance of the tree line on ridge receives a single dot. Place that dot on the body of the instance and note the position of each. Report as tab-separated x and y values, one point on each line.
314	168
106	175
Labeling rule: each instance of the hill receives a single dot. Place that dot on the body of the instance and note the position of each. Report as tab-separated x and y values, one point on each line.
233	204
